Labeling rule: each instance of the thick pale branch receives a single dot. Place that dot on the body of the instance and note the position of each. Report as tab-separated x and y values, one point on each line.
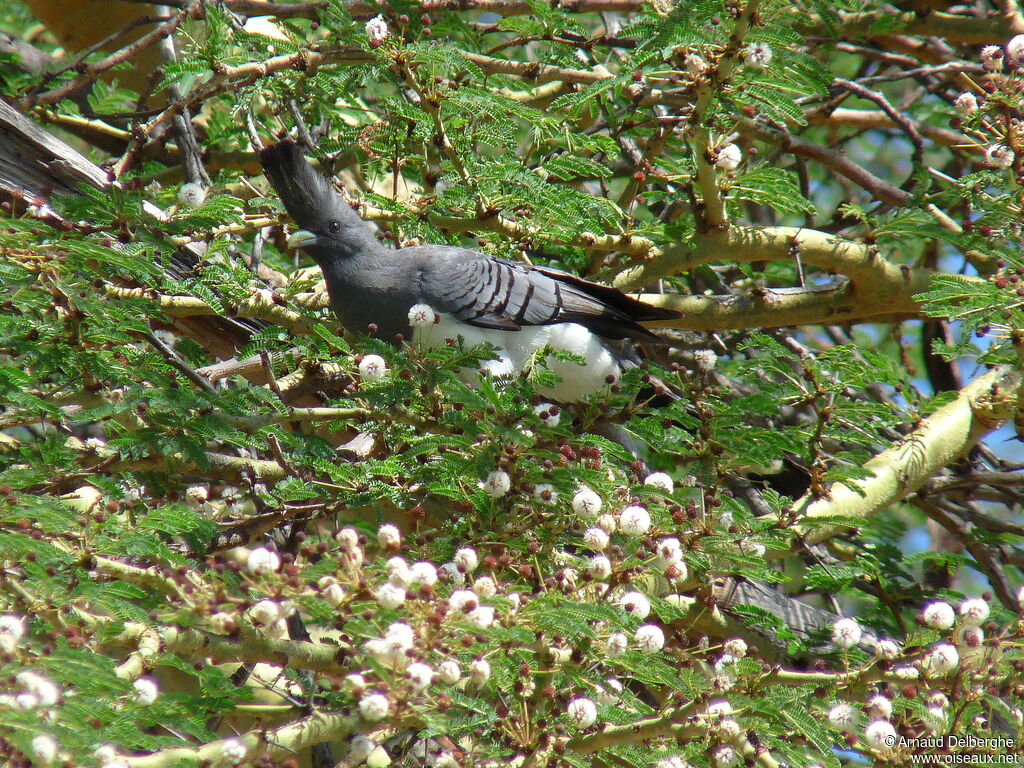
282	742
672	724
781	308
875	279
251	647
980	408
189	306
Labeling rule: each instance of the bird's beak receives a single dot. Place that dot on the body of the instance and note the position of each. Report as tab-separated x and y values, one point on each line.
301	239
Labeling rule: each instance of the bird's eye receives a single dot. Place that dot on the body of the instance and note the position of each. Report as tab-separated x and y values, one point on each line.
334	226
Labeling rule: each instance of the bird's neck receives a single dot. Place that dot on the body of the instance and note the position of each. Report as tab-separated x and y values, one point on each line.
359	250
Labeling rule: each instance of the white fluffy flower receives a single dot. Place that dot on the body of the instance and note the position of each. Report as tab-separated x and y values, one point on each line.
586	503
449	672
887	649
377	30
636	604
616	644
233	751
966	104
718	709
974	612
752	548
549	414
998	156
389	537
484	586
421	315
333	594
906	673
146	691
705	360
670	552
545	493
728	730
399	572
843	717
726	757
942	659
40	691
608	693
348	538
599	567
389	595
354	684
607	523
635	521
451	574
880	734
595	539
649	638
971	637
44	748
420	675
262	561
373	368
736	647
583	712
278	630
462	601
401	635
758	55
937	699
466	559
695	65
191	195
675	761
661	481
497	484
992	57
1015	49
480	671
24	700
846	633
12	629
481	617
423	573
939	615
266	612
729	157
879	707
196	496
374	707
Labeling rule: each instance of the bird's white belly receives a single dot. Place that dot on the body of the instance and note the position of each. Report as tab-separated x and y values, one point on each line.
517	348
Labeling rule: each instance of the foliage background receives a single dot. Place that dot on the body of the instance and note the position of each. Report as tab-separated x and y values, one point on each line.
839	226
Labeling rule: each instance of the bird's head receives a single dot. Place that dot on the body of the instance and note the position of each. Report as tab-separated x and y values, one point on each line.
329	228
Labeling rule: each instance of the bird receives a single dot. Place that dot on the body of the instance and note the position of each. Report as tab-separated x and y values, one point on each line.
517	308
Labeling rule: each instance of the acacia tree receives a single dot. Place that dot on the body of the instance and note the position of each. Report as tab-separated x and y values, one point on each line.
233	536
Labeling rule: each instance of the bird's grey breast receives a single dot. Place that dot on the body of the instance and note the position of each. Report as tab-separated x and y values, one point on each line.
376	292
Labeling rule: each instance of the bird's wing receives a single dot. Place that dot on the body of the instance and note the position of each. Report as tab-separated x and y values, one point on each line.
505	295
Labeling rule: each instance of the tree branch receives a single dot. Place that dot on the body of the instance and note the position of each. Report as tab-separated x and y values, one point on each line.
980	408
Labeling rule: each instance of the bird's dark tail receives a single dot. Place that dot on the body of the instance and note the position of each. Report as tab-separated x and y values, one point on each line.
308	197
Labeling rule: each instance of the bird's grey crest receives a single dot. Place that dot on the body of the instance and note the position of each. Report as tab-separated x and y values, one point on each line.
312	201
